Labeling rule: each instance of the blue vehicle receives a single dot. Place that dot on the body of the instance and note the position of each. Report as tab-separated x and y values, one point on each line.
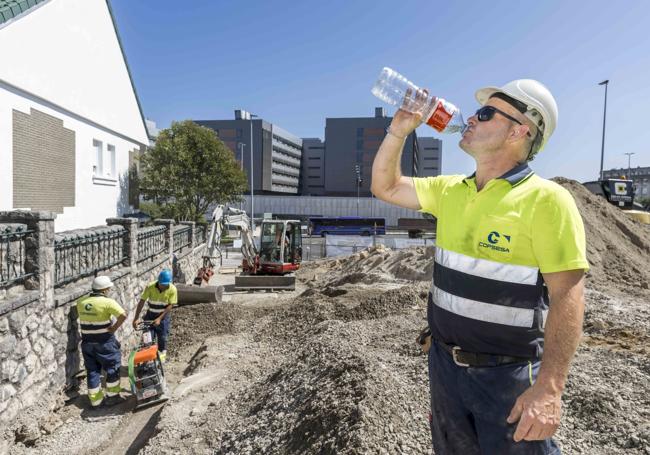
347	225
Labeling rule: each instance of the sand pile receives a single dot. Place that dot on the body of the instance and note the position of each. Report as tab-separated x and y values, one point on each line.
618	247
377	264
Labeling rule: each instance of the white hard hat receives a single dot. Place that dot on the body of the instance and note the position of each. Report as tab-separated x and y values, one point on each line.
541	106
102	282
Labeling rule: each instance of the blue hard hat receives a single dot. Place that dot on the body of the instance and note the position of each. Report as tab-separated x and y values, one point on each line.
165	277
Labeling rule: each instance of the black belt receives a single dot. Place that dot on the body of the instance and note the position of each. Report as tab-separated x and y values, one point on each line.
473	359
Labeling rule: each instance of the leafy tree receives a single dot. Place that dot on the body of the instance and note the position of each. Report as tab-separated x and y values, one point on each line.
188	170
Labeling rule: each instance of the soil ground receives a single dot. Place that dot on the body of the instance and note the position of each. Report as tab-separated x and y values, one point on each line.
333	368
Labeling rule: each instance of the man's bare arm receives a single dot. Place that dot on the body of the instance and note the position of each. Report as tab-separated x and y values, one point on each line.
538	409
388	183
120	320
136	317
563	326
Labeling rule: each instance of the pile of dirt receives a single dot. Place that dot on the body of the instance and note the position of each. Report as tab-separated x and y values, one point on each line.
618	247
377	264
191	324
291	324
344	392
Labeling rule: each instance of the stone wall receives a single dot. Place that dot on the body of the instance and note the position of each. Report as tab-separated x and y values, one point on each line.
39	331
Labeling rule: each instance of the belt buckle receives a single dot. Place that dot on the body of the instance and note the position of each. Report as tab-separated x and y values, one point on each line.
454	355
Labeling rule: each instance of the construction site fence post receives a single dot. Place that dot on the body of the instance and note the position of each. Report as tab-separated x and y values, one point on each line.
39	248
130	240
169	234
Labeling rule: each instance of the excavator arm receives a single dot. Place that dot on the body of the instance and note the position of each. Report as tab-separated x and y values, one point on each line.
223	216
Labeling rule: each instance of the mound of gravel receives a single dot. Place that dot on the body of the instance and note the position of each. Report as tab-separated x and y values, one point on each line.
342	393
377	264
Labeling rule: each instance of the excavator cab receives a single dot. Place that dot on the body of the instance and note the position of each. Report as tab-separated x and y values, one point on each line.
280	246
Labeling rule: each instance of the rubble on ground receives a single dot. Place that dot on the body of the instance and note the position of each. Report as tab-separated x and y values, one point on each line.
334	369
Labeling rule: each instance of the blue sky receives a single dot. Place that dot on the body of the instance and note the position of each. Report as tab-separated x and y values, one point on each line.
295	63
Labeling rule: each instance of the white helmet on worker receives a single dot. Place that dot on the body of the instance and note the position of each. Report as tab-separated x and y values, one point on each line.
539	106
102	282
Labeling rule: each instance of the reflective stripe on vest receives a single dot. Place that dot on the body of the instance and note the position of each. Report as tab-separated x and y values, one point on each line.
487	269
487	306
157	307
95	327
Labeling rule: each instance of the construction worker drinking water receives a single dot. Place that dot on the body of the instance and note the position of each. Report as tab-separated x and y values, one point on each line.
506	304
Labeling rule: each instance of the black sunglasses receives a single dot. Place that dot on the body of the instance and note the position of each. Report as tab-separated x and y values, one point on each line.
486	113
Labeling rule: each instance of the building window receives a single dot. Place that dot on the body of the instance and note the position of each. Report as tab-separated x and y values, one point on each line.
359	132
112	170
98	168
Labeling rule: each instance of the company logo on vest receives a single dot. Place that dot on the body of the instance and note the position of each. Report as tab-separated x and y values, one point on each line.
497	242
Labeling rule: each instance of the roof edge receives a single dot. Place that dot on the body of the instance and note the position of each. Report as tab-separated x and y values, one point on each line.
128	69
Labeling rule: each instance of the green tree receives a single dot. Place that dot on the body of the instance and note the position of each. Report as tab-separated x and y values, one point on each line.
188	170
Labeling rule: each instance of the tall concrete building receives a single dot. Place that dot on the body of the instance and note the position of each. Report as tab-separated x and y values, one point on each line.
313	167
430	155
276	154
352	142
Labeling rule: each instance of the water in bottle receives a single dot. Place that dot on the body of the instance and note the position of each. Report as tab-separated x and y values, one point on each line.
393	88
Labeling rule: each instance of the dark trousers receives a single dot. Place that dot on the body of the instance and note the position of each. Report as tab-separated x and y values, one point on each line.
161	332
102	356
469	407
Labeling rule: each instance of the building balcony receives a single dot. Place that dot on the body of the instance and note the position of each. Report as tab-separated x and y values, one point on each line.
286	148
284	169
284	179
284	158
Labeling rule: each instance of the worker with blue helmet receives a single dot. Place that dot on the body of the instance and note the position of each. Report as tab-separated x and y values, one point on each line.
160	296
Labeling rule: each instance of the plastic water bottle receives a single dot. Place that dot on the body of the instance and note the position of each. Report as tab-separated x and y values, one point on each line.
441	115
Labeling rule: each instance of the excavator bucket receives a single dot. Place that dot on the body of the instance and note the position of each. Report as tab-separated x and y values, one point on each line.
265	282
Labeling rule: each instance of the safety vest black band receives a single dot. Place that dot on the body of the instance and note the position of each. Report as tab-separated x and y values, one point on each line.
486	306
157	307
89	326
490	291
96	337
484	337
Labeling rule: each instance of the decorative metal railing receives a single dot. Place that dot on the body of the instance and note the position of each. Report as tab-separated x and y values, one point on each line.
151	242
201	233
182	237
12	253
85	252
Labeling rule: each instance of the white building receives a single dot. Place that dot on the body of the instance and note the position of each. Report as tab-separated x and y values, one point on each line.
70	119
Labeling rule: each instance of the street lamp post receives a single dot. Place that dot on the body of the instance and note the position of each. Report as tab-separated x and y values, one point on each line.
357	169
629	154
252	181
602	150
240	146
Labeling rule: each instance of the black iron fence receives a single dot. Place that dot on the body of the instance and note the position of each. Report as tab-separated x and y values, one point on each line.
12	254
182	237
85	252
201	233
151	242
